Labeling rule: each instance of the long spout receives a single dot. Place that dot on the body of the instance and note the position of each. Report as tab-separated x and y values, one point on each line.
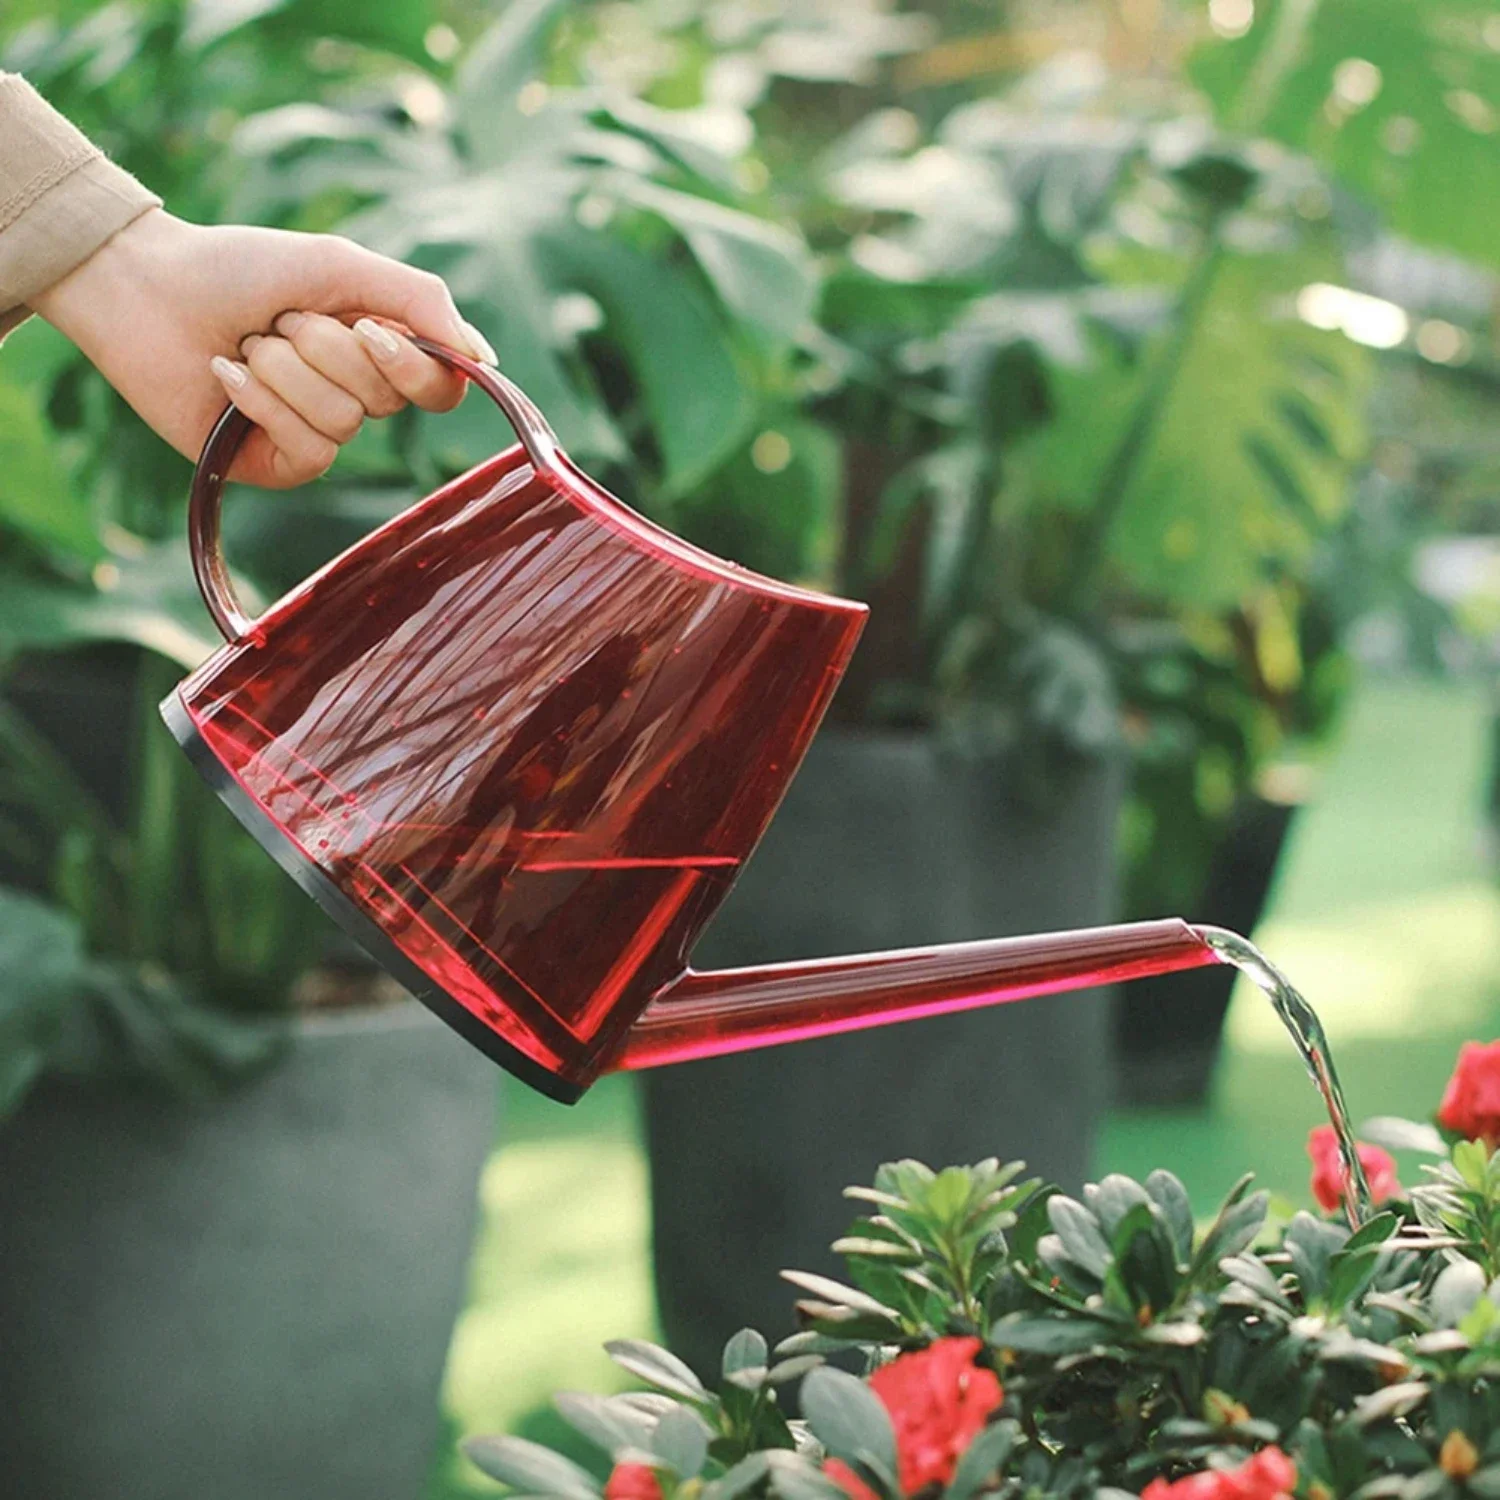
734	1010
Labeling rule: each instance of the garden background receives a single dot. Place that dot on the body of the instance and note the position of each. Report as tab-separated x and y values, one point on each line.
1134	358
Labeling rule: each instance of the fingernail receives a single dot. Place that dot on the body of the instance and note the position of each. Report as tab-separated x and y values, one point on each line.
233	375
289	322
479	344
381	342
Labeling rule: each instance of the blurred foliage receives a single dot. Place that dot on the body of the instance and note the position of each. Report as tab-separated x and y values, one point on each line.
989	315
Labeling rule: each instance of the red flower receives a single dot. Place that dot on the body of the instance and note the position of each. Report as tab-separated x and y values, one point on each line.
633	1482
938	1400
1267	1475
1471	1102
847	1480
1328	1170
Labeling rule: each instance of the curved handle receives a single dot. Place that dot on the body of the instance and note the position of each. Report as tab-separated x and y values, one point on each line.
205	501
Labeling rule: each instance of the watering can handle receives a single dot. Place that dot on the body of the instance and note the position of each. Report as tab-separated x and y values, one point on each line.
537	438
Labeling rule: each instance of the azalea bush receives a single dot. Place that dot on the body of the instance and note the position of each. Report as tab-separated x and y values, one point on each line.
997	1337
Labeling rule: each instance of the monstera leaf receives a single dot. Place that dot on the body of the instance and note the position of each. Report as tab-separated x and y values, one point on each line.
1248	462
1400	99
597	244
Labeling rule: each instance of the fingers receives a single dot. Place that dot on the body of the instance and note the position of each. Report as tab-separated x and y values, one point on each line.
331	349
355	280
414	375
298	451
324	406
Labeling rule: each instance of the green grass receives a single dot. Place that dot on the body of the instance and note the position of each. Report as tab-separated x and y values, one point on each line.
1384	914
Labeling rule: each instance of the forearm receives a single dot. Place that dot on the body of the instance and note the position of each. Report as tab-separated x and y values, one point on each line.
60	198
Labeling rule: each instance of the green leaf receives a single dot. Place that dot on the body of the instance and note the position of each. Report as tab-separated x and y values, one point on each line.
1053	1337
760	271
779	516
828	1290
984	1455
530	1468
145	596
1251	1271
656	1366
1391	1401
1312	1244
1458	1287
1201	523
1470	1158
700	405
1145	1263
43	963
681	1440
739	1478
1396	100
501	62
1396	1134
848	1419
795	1478
604	1421
37	498
1082	1239
1171	1197
792	1369
1112	1198
745	1359
1236	1227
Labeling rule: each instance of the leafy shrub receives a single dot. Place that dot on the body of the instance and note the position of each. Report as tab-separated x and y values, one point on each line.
1019	1342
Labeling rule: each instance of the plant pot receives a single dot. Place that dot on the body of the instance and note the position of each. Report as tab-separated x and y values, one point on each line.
883	841
247	1298
1169	1027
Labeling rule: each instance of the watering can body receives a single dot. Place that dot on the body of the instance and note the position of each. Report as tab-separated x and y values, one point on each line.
519	741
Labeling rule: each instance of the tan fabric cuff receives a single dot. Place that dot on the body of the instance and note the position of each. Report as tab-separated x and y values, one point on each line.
60	197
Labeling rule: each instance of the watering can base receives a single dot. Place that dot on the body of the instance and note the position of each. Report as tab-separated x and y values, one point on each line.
362	928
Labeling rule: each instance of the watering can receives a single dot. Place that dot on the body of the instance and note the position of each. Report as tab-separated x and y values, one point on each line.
519	741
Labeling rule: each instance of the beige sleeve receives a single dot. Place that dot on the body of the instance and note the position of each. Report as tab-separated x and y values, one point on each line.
60	198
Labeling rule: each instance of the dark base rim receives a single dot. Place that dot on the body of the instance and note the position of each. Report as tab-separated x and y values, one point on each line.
363	929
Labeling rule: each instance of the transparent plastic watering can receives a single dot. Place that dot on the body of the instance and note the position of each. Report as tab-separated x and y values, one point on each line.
519	741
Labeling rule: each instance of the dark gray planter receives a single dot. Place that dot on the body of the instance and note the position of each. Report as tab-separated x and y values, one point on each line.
882	842
250	1299
1169	1027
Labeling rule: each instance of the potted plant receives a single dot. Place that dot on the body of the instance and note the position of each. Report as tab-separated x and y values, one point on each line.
212	1103
996	1336
1032	303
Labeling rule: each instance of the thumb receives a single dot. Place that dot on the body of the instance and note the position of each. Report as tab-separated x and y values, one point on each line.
352	279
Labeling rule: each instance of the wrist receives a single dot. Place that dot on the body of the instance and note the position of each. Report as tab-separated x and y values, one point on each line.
95	289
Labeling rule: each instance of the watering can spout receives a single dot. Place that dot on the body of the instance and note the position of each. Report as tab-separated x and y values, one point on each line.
734	1010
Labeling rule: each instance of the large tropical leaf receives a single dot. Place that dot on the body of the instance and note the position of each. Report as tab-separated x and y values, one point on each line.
37	495
1400	99
1249	460
145	596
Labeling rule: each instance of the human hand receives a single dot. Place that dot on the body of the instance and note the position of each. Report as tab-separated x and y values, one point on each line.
176	316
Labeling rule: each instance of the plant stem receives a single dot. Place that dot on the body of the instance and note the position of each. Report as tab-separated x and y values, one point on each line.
1119	470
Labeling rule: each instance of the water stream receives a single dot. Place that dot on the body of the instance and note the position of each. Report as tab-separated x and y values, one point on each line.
1306	1030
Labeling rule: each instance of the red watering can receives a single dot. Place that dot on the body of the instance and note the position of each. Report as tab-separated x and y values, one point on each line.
519	741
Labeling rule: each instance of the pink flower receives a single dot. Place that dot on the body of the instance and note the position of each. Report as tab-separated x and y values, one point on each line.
938	1400
1328	1169
633	1482
1471	1102
1267	1475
